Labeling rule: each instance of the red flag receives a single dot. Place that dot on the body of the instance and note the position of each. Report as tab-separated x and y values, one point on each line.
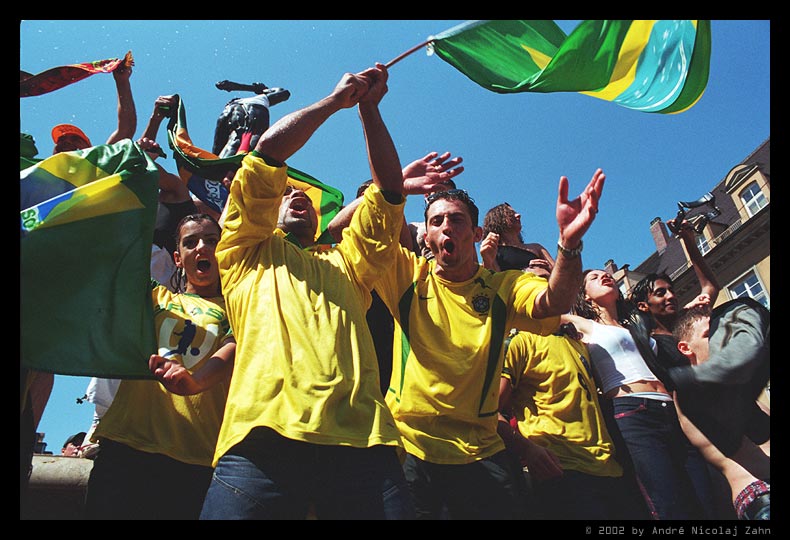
58	77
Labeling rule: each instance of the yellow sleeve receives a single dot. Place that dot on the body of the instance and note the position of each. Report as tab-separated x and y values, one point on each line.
525	290
371	241
516	359
251	215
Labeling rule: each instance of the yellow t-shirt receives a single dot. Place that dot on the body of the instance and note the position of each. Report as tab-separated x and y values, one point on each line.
144	414
305	361
556	404
447	354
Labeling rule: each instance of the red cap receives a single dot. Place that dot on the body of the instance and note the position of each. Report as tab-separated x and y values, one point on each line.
67	129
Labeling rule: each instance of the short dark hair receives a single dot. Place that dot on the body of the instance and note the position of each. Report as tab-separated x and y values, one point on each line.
363	186
454	195
684	324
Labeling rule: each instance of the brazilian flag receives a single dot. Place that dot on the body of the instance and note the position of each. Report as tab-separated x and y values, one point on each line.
87	224
657	66
203	171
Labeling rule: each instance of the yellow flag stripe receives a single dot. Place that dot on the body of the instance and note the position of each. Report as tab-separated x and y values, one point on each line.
101	197
624	72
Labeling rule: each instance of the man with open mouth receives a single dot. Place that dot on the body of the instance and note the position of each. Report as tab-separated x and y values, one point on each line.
451	319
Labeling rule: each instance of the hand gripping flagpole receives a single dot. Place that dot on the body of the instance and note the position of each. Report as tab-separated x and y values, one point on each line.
407	53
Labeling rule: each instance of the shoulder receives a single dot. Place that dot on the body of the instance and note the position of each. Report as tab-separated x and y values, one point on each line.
585	326
740	306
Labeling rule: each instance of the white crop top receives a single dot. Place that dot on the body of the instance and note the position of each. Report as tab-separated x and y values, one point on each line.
615	357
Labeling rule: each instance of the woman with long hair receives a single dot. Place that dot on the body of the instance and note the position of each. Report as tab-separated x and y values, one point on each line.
671	472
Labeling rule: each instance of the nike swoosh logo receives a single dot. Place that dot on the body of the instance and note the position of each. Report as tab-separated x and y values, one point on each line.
482	283
424	297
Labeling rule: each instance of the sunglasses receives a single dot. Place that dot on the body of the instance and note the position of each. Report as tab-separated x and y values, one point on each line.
458	194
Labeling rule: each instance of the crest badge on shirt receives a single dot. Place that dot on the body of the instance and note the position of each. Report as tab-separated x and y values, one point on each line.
481	303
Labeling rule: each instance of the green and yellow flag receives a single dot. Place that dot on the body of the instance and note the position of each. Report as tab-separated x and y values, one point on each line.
85	249
202	171
658	66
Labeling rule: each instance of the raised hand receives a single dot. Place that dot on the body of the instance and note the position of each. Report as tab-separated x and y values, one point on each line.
163	107
575	216
352	88
431	173
150	146
488	250
376	78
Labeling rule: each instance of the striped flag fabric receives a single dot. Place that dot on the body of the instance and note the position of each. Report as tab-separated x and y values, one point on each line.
86	232
203	172
58	77
655	66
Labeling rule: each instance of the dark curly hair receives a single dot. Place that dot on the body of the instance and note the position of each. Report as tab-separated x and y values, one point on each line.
499	219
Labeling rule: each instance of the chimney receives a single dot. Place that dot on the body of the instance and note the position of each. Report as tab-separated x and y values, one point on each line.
660	234
610	267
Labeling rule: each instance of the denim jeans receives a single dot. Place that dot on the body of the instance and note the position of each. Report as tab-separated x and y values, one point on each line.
671	471
492	488
268	476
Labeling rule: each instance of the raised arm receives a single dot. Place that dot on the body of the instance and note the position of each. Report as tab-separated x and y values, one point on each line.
709	285
171	188
162	107
383	157
293	130
574	218
127	115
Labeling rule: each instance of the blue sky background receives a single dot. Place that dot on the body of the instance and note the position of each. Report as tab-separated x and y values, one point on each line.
515	147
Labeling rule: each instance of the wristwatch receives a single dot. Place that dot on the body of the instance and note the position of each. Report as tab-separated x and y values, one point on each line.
570	253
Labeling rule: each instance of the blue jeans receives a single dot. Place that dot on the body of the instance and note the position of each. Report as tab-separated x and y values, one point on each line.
671	471
492	488
268	476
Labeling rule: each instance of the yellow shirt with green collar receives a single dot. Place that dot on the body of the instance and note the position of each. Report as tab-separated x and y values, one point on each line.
305	360
448	354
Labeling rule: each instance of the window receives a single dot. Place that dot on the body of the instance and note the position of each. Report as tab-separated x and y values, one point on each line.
623	289
751	286
702	244
753	199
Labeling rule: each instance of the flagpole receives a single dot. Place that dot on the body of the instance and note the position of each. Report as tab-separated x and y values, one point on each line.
407	53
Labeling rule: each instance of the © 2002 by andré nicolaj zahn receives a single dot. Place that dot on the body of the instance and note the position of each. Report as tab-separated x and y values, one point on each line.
731	530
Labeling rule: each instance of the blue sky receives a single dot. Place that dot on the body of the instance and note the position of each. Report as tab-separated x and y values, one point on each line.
515	147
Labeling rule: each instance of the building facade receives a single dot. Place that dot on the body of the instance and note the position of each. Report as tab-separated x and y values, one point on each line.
736	244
